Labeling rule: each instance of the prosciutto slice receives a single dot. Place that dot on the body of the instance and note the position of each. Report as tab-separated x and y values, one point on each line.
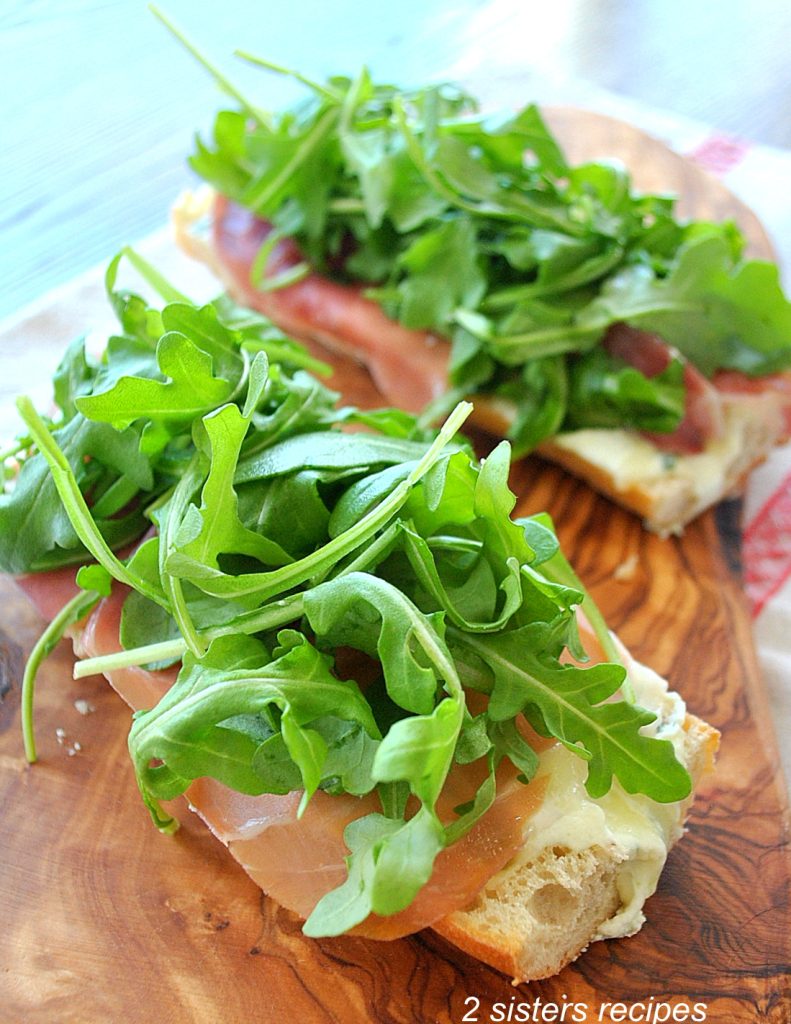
703	412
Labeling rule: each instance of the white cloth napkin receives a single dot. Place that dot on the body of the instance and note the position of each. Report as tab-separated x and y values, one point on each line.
32	341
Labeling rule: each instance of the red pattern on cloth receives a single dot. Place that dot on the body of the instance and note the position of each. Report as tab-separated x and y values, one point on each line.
766	545
719	153
767	548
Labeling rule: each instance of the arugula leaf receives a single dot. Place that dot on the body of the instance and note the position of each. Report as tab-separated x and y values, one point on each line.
720	316
191	390
36	531
445	254
494	501
569	704
191	733
365	612
391	860
73	377
605	392
205	330
267	510
215	528
328	450
259	586
452	601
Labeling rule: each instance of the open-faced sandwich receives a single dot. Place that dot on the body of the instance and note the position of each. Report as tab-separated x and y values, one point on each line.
394	703
461	256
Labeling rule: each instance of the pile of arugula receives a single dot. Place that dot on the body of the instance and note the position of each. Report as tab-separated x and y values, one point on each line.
266	539
477	228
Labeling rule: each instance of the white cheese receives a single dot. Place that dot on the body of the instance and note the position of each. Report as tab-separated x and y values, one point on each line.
638	830
632	461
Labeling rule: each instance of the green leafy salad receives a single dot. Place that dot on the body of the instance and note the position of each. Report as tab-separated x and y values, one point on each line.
476	228
259	537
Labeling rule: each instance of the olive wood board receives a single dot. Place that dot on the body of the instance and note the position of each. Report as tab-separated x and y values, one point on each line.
106	920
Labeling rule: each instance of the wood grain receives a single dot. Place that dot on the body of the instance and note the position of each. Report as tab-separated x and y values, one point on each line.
105	920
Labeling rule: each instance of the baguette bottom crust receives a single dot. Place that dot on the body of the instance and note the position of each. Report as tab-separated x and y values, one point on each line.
537	915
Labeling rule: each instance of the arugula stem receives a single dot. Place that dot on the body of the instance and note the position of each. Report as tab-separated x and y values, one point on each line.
373	553
450	428
547	341
278	613
135	656
550	342
350	102
158	281
555	340
605	638
181	613
18	446
280	353
584	274
258	266
182	495
440	542
76	609
279	69
418	159
296	273
346	205
77	508
225	83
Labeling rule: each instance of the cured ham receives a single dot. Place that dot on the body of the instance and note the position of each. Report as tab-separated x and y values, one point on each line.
703	414
295	860
49	591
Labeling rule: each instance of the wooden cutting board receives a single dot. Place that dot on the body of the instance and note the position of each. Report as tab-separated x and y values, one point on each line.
105	920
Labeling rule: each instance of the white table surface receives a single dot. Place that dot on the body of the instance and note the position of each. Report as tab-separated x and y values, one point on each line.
100	104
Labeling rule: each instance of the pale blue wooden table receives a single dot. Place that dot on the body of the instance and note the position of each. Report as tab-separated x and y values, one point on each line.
100	104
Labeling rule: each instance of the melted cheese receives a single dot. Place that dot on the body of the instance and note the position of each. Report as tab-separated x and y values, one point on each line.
632	461
637	830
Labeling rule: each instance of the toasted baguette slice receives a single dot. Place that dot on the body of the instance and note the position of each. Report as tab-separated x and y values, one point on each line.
666	490
586	881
